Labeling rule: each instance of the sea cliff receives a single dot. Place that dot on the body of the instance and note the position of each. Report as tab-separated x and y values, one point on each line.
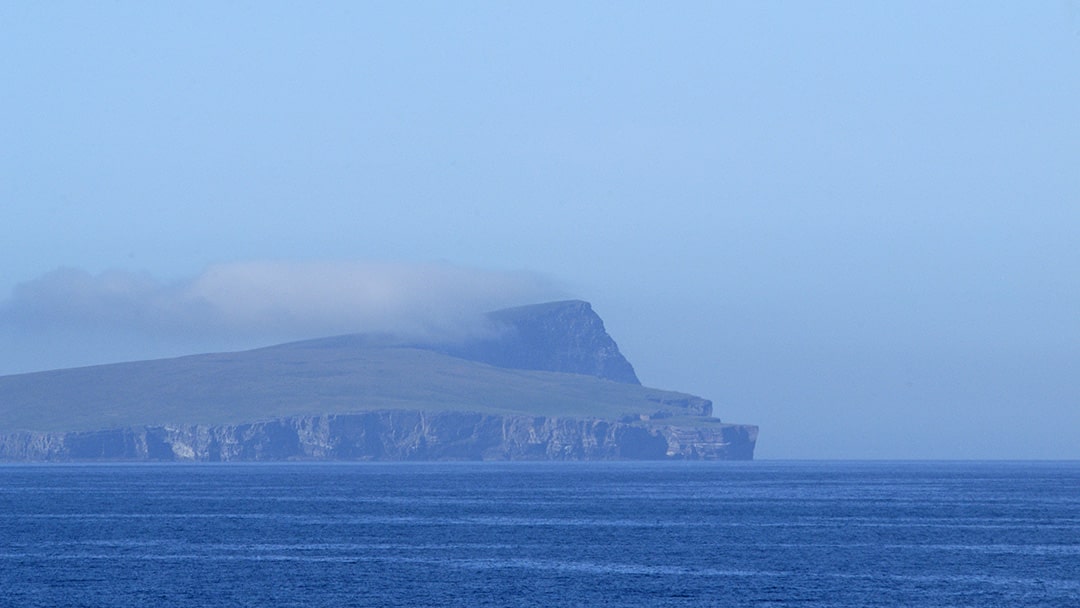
393	435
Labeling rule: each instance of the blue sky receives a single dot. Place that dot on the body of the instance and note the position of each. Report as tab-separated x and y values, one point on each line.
854	224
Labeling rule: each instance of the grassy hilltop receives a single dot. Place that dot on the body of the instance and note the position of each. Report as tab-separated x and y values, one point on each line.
564	344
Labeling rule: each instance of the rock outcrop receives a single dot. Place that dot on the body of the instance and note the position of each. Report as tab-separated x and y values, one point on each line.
392	435
556	337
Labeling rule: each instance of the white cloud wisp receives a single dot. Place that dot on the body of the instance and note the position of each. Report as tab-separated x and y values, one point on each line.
246	304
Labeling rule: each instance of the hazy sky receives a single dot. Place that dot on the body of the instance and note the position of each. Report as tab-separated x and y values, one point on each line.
855	224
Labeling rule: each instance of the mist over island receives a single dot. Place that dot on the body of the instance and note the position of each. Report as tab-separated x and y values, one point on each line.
536	382
854	224
530	304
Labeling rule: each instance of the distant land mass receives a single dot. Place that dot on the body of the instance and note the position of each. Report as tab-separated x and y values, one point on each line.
546	382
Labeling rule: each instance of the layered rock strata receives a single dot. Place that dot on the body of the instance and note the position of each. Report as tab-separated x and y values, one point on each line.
392	435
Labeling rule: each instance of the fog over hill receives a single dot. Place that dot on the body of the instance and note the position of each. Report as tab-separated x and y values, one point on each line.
542	381
71	317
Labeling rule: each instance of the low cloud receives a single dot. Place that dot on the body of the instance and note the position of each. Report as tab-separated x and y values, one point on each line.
252	302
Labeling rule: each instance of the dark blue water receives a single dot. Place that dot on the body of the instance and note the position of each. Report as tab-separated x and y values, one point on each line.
522	534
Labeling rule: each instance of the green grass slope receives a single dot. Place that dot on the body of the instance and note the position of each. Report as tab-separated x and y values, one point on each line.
295	380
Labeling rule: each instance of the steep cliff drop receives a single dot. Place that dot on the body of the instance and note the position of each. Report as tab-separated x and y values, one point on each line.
392	435
548	383
557	336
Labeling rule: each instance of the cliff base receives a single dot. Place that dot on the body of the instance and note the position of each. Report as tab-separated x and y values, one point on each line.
392	435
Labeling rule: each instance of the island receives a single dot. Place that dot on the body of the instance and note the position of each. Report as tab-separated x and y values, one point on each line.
542	382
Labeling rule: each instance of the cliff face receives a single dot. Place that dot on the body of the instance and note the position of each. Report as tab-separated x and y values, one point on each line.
556	337
392	435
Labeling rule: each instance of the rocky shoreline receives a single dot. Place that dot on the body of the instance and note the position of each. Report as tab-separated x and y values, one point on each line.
391	435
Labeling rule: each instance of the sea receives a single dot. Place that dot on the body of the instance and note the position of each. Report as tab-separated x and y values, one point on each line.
764	533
